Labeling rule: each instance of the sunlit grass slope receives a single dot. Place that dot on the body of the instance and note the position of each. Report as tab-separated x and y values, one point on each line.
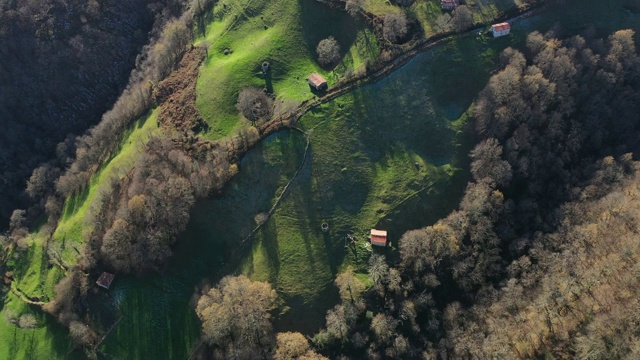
283	32
35	276
75	222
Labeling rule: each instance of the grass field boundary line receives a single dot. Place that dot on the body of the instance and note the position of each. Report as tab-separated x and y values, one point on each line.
109	331
273	208
24	298
200	343
284	190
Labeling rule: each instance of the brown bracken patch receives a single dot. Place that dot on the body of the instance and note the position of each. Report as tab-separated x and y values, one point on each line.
176	95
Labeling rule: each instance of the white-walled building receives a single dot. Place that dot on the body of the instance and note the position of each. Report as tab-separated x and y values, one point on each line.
500	29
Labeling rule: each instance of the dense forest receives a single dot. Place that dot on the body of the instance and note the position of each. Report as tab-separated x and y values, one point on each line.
64	63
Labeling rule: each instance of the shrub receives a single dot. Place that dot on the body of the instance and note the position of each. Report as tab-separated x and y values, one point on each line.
254	104
328	51
395	27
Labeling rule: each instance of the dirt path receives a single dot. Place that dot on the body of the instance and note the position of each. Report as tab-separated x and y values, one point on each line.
24	298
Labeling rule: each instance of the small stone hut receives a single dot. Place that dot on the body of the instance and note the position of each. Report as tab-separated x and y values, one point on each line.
317	82
105	280
501	29
378	237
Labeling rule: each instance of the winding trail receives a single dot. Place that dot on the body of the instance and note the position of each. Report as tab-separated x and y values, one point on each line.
24	298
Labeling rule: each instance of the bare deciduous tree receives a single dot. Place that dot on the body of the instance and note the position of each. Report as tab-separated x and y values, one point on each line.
462	18
235	315
395	27
254	104
293	345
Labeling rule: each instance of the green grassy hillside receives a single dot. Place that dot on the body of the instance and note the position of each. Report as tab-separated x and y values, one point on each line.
76	218
35	276
285	33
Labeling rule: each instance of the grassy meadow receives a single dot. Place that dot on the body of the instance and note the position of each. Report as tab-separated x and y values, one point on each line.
245	33
360	172
389	155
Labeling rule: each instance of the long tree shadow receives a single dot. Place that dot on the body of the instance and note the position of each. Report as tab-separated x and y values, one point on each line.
398	112
319	21
269	236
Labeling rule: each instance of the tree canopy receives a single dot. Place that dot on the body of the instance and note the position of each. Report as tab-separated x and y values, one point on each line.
235	317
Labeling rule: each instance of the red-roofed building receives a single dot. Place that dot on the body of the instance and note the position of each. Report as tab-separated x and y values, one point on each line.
449	4
501	29
378	237
317	81
105	280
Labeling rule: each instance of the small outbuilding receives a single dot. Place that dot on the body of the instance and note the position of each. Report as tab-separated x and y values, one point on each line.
378	237
449	4
105	280
317	82
501	29
8	278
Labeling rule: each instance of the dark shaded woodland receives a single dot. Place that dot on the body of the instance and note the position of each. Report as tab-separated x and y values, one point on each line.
63	63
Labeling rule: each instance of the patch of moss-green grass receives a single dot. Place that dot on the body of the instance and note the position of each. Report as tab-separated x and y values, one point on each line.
158	316
284	33
156	319
45	340
382	156
34	275
36	278
76	219
590	18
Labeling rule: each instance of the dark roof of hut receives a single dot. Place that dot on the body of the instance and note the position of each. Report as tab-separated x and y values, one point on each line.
105	280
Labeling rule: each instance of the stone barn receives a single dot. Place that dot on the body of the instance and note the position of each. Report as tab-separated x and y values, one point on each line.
501	29
105	280
378	237
317	82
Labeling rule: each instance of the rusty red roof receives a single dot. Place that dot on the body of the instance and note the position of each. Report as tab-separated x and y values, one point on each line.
316	80
501	27
378	237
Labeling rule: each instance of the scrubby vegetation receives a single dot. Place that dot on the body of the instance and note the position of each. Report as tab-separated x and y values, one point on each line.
235	318
254	104
395	27
328	51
